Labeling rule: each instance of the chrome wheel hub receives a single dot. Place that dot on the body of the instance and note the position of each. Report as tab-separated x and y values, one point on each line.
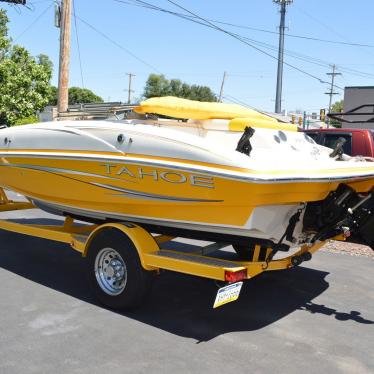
110	271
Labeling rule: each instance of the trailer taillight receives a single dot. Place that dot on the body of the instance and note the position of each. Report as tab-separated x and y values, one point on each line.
235	276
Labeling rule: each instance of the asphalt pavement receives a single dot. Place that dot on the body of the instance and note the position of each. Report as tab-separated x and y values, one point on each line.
316	318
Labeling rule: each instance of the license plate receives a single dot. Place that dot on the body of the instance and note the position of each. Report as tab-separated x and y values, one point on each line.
227	294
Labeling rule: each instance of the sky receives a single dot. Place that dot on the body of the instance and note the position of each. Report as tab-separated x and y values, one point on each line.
117	37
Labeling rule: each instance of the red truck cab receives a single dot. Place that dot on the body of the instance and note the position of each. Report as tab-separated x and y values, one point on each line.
359	142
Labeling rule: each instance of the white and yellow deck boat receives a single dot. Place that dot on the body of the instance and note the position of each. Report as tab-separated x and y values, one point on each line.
207	177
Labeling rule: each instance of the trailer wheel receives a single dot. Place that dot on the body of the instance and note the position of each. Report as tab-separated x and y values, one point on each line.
115	272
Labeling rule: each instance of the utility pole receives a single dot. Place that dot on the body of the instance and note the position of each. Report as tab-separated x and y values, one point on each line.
222	85
129	89
331	93
283	9
63	76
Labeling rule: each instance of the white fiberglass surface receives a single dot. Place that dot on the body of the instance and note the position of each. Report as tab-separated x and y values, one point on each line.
271	221
271	149
52	136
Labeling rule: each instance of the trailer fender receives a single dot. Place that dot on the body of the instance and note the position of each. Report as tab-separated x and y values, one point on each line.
142	240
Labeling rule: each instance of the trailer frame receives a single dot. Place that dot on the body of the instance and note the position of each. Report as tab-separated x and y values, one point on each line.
153	257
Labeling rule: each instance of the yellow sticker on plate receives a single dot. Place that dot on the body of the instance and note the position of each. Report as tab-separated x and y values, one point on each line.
228	294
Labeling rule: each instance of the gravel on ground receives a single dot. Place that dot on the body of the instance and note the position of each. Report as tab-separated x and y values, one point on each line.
352	249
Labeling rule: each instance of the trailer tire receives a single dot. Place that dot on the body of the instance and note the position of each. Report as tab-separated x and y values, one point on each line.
114	271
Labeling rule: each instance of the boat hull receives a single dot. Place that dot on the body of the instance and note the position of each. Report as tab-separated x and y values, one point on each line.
175	175
166	193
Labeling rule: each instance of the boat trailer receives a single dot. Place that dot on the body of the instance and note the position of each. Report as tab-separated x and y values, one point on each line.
122	258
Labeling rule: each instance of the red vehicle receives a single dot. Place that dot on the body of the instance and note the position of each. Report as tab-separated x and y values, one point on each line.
359	142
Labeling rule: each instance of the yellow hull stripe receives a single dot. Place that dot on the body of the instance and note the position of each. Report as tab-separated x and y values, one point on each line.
330	172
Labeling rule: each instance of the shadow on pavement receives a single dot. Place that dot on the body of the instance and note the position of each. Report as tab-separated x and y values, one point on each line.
178	304
354	315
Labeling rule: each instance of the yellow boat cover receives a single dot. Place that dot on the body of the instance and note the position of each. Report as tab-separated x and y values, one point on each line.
190	109
239	124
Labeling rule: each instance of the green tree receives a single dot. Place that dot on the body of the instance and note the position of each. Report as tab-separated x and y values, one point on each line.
53	93
24	80
158	85
186	90
4	40
337	107
77	95
175	88
45	61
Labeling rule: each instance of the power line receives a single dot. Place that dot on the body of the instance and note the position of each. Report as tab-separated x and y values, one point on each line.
78	44
312	60
315	19
206	23
105	36
248	44
234	100
306	37
290	53
342	37
33	22
295	55
356	72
